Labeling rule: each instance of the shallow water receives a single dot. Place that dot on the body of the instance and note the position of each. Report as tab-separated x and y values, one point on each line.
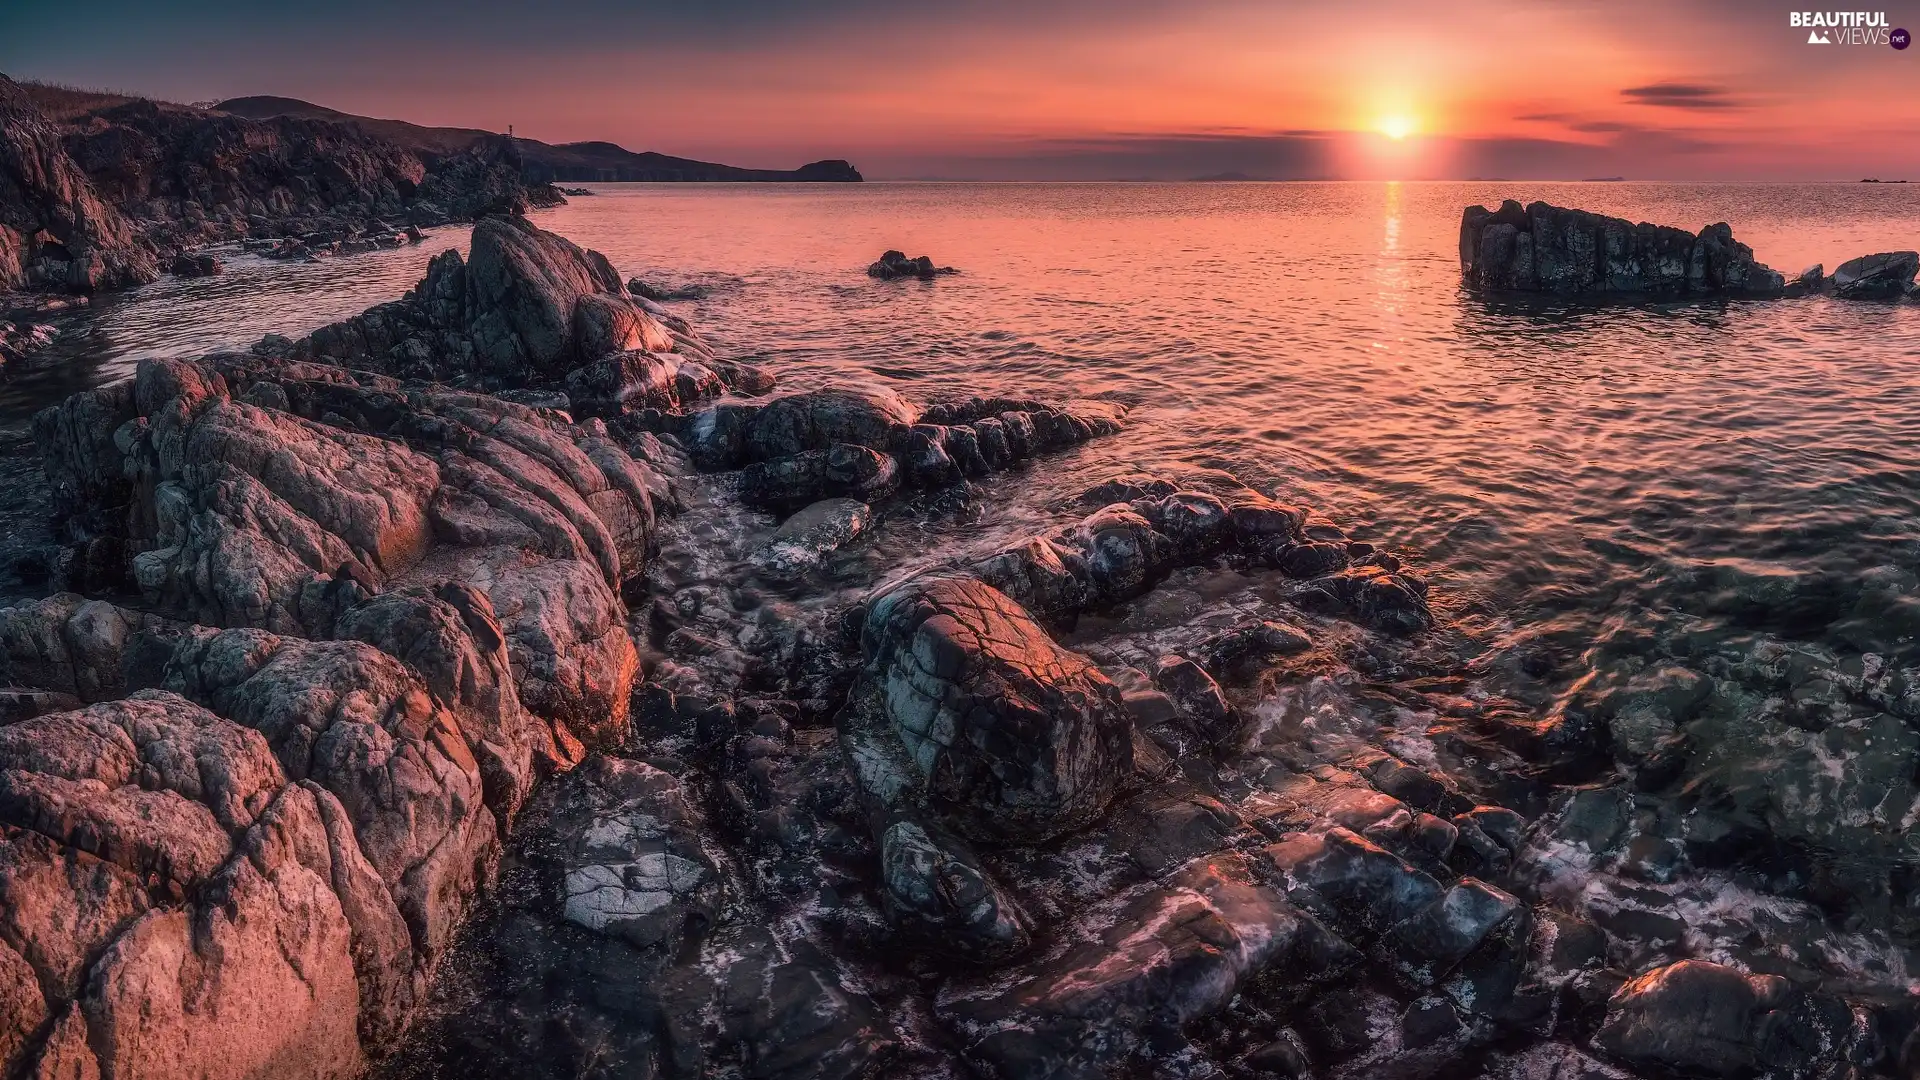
1552	467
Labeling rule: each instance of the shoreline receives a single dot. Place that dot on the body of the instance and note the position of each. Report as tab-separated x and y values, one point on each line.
521	519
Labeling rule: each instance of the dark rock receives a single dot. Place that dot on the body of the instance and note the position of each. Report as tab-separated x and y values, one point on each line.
842	472
1555	250
192	266
937	893
894	264
805	540
1693	1017
819	419
1013	737
633	860
1201	703
1176	953
1352	880
1876	277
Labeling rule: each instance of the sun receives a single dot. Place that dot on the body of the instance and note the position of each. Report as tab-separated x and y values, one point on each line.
1396	127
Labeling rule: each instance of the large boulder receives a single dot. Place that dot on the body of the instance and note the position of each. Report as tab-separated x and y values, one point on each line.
1013	737
1694	1017
184	909
819	419
56	229
1888	275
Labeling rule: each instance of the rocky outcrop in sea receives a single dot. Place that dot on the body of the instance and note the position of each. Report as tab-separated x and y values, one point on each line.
503	683
1539	248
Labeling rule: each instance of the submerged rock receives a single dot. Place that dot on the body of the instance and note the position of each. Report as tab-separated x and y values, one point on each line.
804	540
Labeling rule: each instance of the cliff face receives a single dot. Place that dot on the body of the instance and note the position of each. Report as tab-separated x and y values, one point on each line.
56	231
92	202
188	175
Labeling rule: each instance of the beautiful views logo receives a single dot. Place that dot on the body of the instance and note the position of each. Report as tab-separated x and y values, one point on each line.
1847	28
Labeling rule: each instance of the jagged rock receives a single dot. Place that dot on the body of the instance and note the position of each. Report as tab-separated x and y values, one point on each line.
527	307
1011	736
1876	277
359	723
1352	880
1200	700
842	472
57	230
287	956
252	515
1177	952
895	264
1551	249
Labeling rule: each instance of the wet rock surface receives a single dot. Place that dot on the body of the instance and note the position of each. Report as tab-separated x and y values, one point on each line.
403	727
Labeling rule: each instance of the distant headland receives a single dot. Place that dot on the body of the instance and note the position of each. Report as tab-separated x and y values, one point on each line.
99	190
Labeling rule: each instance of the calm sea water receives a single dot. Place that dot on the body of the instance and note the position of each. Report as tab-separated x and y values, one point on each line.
1550	466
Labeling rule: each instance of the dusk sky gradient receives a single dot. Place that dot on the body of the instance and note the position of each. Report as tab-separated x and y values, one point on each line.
1065	90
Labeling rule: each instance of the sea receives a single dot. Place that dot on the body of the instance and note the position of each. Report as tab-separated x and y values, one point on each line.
1553	468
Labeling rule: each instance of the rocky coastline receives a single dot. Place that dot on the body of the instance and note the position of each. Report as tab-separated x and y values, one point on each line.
489	685
107	199
1540	248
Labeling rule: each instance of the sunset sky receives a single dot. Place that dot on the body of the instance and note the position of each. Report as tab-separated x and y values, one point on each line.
1056	89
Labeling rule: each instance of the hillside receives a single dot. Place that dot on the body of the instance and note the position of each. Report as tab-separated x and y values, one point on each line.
601	162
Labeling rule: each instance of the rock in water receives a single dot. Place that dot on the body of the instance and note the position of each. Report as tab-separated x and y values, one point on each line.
1551	249
804	540
192	266
895	264
56	229
1887	276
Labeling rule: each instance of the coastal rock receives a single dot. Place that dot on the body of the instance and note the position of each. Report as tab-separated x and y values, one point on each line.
1013	737
1693	1016
895	264
286	954
844	472
938	894
820	419
57	230
1876	277
633	862
195	265
528	308
804	540
1173	954
1552	249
